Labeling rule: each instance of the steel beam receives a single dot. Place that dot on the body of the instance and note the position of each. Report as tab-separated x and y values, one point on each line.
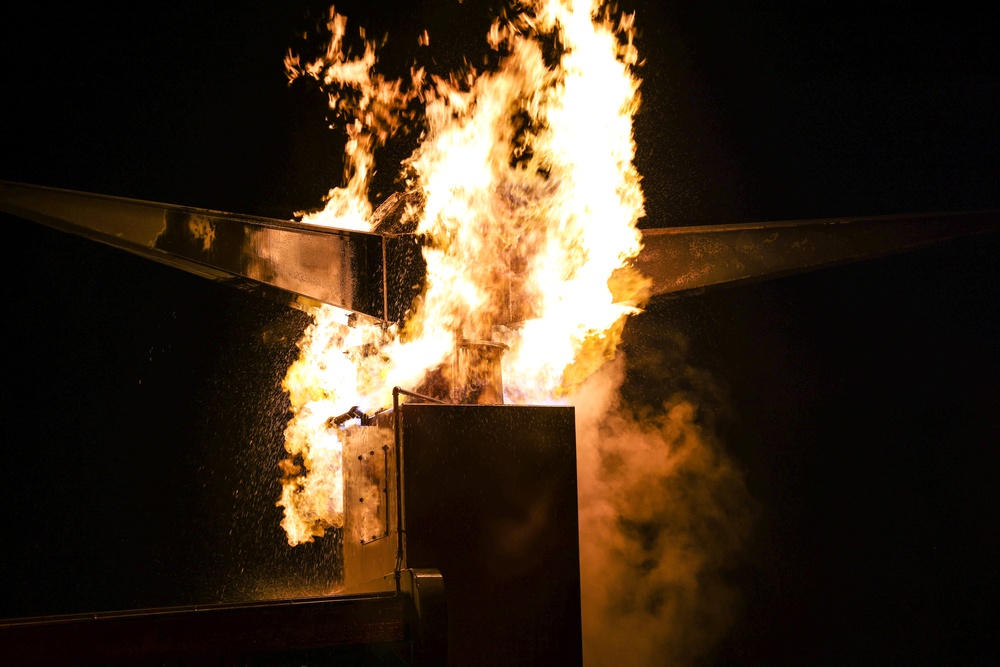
301	265
679	259
379	274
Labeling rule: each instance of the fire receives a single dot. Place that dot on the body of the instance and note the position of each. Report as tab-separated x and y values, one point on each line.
529	202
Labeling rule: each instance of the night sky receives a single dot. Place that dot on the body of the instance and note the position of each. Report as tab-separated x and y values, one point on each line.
862	402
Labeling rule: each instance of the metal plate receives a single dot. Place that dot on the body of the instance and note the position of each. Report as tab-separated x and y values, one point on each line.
490	499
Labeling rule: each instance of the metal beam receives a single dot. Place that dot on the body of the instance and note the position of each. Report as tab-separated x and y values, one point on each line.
679	259
302	265
208	634
379	274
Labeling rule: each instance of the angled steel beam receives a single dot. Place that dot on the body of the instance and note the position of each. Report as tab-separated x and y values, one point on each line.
301	265
680	259
379	274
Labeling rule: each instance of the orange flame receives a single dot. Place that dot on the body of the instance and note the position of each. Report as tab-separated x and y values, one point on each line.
529	206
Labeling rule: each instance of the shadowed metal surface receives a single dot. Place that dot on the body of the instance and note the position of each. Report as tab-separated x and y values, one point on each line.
686	258
298	264
502	527
205	633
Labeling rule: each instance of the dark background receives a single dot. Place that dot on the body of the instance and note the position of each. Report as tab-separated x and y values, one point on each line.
861	401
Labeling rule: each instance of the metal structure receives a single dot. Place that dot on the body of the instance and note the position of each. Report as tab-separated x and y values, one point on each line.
296	264
380	273
680	259
482	567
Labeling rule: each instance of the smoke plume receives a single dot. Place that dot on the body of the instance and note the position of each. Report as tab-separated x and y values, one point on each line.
663	514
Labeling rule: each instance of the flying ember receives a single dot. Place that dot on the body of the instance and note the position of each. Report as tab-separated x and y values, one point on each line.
524	191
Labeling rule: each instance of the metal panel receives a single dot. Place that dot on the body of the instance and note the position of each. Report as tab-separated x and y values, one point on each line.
490	499
370	536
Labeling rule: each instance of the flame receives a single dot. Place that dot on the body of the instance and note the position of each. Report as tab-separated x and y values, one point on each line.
373	109
529	204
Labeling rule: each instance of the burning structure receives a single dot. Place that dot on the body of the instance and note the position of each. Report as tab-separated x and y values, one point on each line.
475	299
519	225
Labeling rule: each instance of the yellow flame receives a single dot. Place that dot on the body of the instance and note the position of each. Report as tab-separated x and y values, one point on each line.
372	108
530	204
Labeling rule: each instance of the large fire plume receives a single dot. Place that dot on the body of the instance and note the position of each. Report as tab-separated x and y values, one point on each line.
528	200
524	189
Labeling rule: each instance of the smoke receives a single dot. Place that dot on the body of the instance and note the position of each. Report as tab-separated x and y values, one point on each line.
663	514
